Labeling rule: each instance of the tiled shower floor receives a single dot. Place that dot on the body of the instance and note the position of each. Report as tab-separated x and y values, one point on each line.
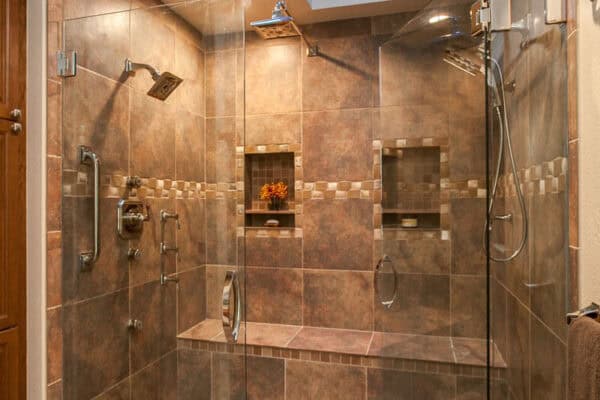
439	349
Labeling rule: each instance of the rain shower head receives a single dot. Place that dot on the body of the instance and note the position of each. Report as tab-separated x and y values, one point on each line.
281	25
164	84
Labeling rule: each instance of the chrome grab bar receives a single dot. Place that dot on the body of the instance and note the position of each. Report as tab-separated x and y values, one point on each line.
232	307
88	258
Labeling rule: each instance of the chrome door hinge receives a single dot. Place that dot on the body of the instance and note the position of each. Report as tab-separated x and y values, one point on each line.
66	63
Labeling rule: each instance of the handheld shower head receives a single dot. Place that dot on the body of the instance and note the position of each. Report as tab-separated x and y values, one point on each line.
164	84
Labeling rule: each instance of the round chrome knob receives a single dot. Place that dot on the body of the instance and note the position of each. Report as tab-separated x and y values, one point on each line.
16	128
16	114
134	254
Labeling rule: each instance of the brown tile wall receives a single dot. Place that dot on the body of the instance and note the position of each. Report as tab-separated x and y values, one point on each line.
90	350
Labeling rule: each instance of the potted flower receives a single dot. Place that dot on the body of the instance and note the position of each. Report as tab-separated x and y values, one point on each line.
275	194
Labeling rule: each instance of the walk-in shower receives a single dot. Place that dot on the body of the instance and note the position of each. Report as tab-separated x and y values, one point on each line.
164	83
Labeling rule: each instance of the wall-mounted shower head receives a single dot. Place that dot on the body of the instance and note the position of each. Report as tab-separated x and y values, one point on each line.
280	25
164	84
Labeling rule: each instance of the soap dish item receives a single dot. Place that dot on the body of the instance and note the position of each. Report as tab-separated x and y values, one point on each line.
273	223
409	223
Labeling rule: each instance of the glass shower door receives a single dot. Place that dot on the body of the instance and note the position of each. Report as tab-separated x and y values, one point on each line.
152	264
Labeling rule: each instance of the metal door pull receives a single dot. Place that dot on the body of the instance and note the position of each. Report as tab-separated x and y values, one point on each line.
88	258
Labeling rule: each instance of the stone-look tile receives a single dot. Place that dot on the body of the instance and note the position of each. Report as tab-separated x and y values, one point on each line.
469	388
266	378
468	306
272	129
158	381
55	10
54	119
469	351
189	66
548	364
337	145
119	392
343	75
155	306
338	234
191	238
215	279
221	231
419	256
273	252
332	340
220	149
272	78
338	299
467	147
416	347
385	384
205	330
53	269
228	376
468	217
193	375
270	334
189	148
148	267
517	357
423	306
573	193
434	387
409	121
191	297
55	344
307	380
220	83
54	391
498	316
54	43
155	46
102	43
224	24
274	295
414	77
84	8
549	268
53	193
152	134
95	334
98	117
109	273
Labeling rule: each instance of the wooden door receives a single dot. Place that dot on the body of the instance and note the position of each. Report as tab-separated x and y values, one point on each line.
12	198
9	364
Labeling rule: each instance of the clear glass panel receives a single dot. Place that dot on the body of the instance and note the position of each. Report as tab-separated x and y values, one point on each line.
527	129
139	321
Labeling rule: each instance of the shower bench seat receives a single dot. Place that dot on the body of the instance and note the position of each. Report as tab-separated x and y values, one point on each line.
420	353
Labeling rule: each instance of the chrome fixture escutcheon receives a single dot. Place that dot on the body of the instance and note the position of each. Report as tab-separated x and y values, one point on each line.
131	215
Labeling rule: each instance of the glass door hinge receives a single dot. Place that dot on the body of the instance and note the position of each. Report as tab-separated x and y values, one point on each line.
66	63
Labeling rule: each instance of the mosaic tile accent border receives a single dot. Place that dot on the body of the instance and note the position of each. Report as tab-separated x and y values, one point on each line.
537	180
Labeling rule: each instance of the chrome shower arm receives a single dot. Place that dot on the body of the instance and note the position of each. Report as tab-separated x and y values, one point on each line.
131	66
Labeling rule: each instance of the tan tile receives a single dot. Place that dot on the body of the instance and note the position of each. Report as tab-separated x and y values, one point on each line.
332	340
55	391
409	121
272	335
548	364
517	358
266	378
467	148
272	129
78	8
189	66
54	119
98	117
468	218
220	150
155	306
228	372
191	298
467	306
337	145
338	299
55	344
425	256
221	223
205	330
338	234
220	87
308	380
54	193
264	285
189	147
191	238
573	193
193	374
414	347
104	319
273	252
157	379
119	392
54	269
215	279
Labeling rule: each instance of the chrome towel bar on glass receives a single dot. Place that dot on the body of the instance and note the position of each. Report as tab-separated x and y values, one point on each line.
592	311
88	258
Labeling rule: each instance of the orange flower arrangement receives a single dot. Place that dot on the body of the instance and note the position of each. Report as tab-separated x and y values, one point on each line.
270	191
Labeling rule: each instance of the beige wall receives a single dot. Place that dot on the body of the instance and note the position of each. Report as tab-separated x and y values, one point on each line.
588	63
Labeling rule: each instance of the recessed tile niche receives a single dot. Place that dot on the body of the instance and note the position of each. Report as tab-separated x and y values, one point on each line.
268	168
411	186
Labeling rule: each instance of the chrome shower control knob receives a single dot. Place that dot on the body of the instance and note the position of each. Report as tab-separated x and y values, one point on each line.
135	325
16	114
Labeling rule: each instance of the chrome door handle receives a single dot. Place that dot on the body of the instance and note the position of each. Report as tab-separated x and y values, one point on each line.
386	302
88	258
232	307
